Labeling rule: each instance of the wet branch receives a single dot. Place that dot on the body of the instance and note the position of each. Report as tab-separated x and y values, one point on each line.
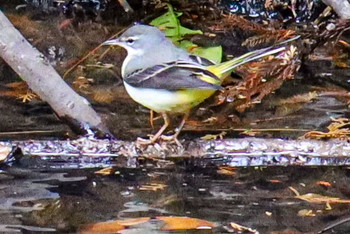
341	7
42	78
231	152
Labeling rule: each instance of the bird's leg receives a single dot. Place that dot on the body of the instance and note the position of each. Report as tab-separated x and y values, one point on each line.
177	131
151	118
158	134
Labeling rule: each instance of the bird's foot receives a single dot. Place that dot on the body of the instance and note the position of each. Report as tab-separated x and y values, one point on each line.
152	139
143	141
171	138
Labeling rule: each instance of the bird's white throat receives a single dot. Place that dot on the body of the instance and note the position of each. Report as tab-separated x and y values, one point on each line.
131	56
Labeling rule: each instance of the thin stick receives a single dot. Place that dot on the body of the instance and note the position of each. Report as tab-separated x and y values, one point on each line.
90	53
337	223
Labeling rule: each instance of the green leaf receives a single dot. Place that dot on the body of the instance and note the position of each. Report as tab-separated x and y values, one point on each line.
212	53
170	25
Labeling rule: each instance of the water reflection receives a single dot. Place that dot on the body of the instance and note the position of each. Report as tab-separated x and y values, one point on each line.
260	198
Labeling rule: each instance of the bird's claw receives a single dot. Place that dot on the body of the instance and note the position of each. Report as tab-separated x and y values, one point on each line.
152	140
143	141
171	138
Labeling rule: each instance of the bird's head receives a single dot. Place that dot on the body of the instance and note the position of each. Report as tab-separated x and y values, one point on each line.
147	46
139	40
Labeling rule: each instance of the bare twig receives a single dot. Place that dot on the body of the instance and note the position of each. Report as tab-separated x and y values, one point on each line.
42	78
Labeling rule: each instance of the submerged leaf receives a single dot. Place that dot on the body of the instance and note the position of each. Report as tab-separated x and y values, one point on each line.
139	224
240	228
324	183
214	136
306	213
153	187
184	223
317	198
339	128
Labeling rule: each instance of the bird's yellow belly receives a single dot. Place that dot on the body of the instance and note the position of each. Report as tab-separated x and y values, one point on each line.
160	100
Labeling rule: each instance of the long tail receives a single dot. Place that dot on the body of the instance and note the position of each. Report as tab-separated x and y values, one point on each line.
222	70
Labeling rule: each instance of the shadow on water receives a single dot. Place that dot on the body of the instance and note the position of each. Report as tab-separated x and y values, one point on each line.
33	200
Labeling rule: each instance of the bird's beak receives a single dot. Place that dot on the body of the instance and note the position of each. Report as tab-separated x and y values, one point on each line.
112	42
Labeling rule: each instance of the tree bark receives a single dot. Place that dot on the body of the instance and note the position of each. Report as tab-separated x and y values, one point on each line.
41	77
341	7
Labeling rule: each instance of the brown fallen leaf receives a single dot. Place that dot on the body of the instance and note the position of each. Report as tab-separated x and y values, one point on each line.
105	171
339	128
241	228
170	223
132	222
19	90
317	198
184	223
5	150
153	187
324	183
112	226
306	213
103	227
227	171
275	181
214	136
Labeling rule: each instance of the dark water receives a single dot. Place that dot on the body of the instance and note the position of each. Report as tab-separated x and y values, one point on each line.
37	200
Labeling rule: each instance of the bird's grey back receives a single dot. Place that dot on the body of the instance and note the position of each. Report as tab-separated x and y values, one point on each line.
157	49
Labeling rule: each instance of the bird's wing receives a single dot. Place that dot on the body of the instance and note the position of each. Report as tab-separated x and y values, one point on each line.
174	76
200	60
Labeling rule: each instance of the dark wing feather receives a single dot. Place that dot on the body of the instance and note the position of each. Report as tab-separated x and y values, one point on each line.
172	76
201	60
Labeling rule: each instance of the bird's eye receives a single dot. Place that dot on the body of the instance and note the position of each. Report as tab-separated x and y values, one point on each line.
130	41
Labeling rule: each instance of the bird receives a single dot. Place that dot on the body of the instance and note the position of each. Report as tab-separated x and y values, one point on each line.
169	80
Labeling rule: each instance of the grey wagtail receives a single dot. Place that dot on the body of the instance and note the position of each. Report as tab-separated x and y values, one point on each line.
167	79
